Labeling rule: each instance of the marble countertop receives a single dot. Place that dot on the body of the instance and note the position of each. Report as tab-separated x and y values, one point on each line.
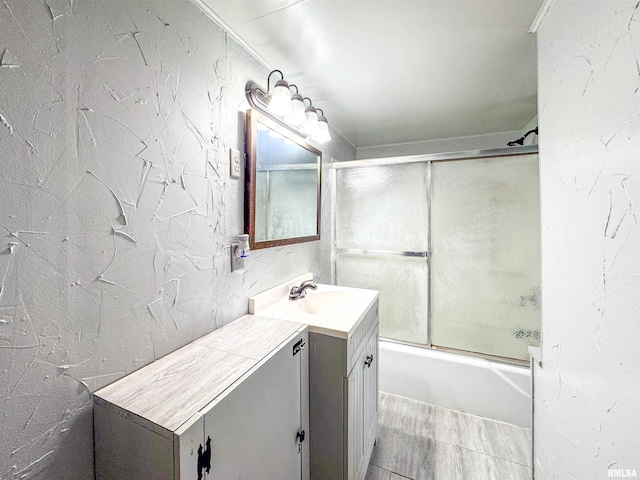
169	391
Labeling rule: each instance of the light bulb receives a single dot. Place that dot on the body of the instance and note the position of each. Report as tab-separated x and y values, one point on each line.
322	135
311	123
297	116
280	103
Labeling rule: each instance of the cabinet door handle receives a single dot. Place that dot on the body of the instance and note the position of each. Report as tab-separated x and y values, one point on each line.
368	361
299	345
204	458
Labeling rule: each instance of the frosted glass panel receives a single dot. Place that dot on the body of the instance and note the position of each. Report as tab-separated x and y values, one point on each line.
485	223
382	208
286	202
262	199
403	285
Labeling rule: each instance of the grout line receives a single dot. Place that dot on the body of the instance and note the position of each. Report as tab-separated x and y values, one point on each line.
399	474
489	455
391	471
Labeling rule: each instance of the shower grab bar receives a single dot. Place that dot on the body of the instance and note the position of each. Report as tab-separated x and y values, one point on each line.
397	253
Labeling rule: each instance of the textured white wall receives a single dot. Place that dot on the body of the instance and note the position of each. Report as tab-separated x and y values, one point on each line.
115	208
588	391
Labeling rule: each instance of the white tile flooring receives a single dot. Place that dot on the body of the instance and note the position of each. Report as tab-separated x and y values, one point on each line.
419	441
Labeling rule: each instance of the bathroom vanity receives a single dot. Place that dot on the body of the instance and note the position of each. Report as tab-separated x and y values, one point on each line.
232	404
343	372
288	392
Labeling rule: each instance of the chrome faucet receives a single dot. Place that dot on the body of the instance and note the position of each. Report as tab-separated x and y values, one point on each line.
299	292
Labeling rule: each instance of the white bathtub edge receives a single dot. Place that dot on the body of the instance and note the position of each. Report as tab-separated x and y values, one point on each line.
473	385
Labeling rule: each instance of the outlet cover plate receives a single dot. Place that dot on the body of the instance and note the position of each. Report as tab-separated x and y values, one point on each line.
235	163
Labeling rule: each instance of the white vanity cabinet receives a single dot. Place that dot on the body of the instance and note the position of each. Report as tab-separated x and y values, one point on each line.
343	371
231	405
343	399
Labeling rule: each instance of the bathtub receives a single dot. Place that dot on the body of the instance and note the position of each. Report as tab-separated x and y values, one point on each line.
473	385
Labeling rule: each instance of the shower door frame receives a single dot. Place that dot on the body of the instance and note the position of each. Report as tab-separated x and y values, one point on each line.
428	158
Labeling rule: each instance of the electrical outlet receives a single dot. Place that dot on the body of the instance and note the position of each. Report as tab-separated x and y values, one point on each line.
236	263
235	163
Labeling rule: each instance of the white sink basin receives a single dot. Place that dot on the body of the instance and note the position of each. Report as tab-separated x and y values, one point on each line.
330	309
324	303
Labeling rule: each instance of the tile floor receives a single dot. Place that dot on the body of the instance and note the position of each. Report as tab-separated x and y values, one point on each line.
419	441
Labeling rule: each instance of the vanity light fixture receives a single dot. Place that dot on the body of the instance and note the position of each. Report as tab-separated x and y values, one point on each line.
289	108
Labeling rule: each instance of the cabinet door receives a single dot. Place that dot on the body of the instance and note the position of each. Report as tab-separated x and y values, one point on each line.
362	405
189	445
254	428
370	397
355	418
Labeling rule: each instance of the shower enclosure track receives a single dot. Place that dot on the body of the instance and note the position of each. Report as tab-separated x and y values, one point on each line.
400	253
435	157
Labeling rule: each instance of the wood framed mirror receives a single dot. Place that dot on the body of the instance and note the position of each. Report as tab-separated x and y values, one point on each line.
282	184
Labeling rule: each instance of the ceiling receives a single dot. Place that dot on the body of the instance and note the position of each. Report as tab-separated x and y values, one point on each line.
396	71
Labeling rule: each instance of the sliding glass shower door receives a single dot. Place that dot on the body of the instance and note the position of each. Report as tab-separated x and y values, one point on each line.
452	245
382	240
485	293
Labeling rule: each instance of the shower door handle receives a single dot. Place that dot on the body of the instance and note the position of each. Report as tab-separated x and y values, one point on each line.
368	361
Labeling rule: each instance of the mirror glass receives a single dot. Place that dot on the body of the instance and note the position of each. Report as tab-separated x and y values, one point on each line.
282	184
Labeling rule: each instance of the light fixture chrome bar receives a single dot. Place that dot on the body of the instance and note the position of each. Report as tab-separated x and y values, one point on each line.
259	99
435	157
396	253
